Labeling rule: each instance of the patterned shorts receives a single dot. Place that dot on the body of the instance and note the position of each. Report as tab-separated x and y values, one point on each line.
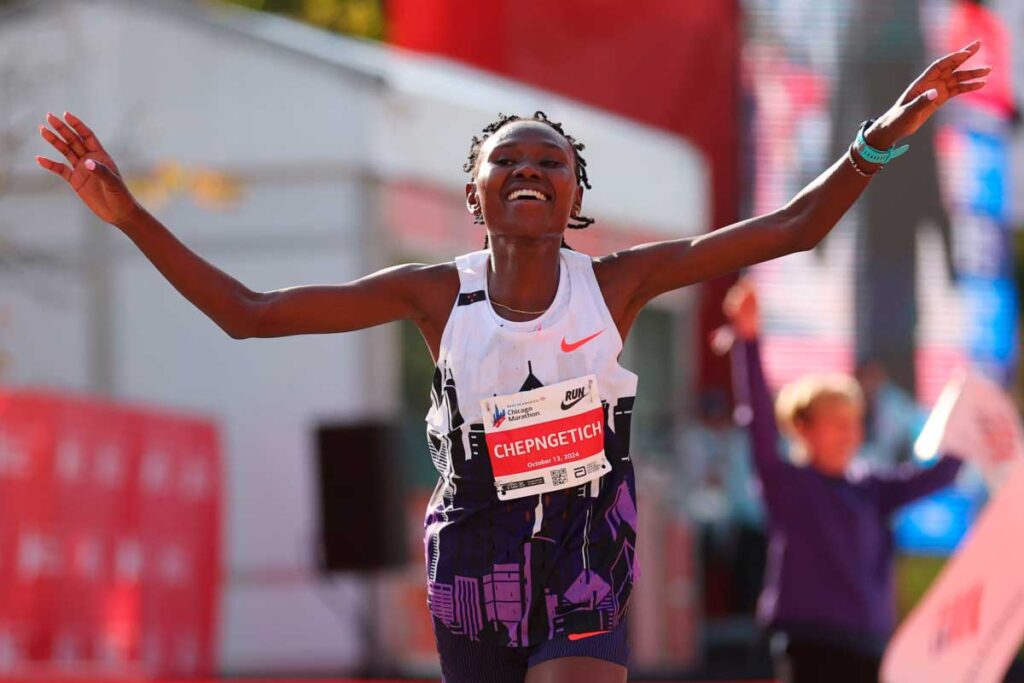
465	661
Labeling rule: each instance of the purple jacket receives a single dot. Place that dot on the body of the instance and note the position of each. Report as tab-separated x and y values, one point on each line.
830	551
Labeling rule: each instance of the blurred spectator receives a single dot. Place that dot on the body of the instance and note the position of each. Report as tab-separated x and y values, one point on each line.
721	498
828	595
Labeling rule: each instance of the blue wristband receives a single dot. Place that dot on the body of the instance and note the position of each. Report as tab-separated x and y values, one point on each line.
875	156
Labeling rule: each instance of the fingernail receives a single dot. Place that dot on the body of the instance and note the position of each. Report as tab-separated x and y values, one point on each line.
90	164
932	94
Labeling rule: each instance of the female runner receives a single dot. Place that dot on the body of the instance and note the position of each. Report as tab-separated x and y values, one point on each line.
531	532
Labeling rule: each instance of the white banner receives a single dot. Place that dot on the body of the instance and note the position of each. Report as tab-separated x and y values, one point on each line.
970	623
975	420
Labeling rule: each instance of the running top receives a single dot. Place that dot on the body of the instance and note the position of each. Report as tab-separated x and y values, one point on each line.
507	566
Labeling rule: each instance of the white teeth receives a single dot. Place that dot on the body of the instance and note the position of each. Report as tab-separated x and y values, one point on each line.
527	193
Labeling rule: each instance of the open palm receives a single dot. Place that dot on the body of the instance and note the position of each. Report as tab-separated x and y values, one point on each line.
941	81
101	187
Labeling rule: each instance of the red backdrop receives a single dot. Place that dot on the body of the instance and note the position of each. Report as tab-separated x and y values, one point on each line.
109	538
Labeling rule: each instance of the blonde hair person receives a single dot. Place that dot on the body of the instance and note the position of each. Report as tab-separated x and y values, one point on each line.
827	599
801	400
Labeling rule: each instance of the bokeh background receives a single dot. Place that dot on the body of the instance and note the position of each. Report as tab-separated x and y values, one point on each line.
175	503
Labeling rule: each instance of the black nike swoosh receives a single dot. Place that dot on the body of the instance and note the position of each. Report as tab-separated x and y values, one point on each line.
566	406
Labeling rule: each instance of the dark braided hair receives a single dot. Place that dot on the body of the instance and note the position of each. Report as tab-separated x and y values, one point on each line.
576	222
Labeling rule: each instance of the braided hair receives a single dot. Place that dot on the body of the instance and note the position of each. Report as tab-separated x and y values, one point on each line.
576	222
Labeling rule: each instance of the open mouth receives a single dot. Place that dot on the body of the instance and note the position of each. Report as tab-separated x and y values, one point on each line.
526	196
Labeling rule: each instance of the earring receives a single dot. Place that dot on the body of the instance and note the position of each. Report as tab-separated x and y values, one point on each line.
478	217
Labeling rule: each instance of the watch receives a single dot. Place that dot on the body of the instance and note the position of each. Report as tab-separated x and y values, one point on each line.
869	153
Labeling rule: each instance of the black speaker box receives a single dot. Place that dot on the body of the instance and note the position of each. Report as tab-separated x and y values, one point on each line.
361	499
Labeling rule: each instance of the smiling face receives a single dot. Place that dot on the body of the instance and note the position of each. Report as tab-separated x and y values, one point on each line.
525	181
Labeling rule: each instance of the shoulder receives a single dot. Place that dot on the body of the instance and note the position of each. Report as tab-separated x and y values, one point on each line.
472	264
433	288
616	276
609	267
433	276
430	287
436	279
624	271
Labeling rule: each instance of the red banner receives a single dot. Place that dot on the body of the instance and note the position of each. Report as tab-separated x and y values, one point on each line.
109	538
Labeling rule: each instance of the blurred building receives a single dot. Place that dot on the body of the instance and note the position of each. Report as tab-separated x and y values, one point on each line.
285	155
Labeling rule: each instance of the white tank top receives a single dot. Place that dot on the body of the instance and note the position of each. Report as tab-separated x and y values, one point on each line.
515	572
489	355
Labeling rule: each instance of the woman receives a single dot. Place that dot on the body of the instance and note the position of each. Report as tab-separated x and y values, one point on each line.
530	534
828	589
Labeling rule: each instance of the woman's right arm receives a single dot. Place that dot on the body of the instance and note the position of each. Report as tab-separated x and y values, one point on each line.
387	295
398	293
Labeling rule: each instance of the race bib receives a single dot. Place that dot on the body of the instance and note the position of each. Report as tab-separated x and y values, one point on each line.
545	439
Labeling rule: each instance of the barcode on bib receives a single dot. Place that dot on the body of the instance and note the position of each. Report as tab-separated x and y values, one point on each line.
559	476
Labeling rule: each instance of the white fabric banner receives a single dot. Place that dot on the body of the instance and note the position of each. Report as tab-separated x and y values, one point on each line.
970	623
975	420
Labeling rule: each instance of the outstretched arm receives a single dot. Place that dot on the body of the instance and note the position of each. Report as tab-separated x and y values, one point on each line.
754	405
658	267
399	293
908	482
387	295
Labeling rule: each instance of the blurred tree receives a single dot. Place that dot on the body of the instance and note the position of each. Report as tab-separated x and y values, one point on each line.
363	18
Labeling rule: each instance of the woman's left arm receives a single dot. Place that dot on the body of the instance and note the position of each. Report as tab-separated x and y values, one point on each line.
658	267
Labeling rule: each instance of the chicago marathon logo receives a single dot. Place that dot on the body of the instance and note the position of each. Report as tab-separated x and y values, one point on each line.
498	416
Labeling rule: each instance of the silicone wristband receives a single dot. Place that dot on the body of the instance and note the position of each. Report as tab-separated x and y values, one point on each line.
875	156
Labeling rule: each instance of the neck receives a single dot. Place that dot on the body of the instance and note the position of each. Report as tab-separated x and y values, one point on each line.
829	470
523	273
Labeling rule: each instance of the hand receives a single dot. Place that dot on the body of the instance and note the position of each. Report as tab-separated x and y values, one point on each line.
93	175
939	83
740	307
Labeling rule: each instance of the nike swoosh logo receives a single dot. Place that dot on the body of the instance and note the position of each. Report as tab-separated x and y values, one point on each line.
568	348
570	404
581	636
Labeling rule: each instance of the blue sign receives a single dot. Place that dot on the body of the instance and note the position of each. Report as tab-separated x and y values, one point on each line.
935	525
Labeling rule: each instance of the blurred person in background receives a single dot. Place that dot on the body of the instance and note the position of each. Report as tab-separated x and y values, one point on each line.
529	576
828	593
719	493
